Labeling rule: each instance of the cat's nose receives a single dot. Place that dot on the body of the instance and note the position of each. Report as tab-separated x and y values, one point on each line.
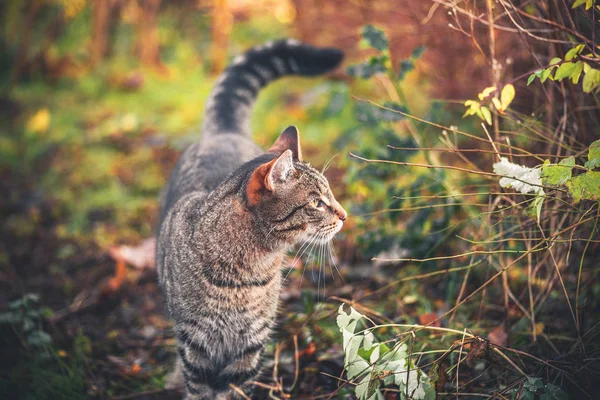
339	211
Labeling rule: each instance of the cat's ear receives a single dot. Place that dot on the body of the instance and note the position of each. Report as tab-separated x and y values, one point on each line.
280	171
288	140
268	176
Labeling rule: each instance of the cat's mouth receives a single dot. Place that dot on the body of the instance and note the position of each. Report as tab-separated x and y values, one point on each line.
325	234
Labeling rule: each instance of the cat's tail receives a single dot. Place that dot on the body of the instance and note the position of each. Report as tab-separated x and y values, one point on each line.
229	106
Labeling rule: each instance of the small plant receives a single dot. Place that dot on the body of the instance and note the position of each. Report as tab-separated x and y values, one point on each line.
371	364
25	315
532	387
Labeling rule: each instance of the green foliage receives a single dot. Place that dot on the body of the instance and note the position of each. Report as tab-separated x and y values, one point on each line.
25	316
375	38
371	364
534	388
39	372
585	186
588	3
571	68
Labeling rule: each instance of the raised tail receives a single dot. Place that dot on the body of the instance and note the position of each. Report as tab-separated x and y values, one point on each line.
230	103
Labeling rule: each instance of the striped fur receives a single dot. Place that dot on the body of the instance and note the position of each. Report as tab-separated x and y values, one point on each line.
230	213
229	105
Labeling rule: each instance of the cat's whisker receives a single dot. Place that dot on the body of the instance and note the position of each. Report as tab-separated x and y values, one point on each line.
312	244
333	258
328	163
297	257
270	231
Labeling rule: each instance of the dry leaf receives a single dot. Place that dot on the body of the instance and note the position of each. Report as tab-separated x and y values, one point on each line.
429	319
498	336
141	256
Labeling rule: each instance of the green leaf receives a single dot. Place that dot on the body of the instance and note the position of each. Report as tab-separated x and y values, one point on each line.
530	79
533	384
375	37
554	61
536	204
374	65
577	72
405	67
574	52
553	392
591	80
417	52
577	3
593	155
585	186
545	74
564	71
558	174
506	96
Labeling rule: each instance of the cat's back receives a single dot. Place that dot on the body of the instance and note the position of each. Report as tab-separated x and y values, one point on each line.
206	164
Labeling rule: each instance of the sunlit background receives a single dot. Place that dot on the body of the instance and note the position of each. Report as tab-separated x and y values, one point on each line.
99	97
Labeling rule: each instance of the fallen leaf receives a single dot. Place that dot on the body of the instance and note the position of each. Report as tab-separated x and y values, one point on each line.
141	256
498	336
429	319
40	121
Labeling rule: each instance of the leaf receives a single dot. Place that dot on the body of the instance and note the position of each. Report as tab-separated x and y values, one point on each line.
533	384
536	205
593	155
375	37
498	336
574	52
564	71
577	3
577	72
507	95
417	52
553	392
497	104
487	115
545	74
554	61
591	80
39	122
486	92
585	186
531	78
429	318
374	65
405	67
558	174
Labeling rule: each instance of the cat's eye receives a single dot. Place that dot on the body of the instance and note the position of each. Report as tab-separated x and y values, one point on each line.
319	203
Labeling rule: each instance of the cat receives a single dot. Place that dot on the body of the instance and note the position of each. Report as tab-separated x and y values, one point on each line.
230	213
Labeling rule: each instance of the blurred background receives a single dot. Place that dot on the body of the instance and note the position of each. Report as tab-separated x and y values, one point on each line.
99	97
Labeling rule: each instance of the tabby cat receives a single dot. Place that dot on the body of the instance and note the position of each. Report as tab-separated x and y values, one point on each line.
230	213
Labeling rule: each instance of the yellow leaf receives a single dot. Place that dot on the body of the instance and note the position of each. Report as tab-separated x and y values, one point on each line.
539	328
486	92
40	121
497	104
487	115
507	96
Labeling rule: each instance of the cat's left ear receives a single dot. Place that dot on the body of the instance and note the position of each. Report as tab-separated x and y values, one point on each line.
269	176
288	140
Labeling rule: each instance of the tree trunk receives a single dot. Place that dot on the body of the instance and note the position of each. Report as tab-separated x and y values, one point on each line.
221	29
148	44
100	29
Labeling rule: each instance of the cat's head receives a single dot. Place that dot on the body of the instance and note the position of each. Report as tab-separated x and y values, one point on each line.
290	199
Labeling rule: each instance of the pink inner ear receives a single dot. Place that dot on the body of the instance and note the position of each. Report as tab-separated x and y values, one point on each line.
288	140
